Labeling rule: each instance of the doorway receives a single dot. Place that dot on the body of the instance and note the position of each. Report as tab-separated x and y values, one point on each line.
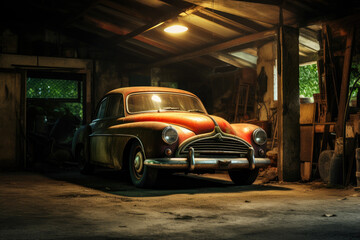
55	108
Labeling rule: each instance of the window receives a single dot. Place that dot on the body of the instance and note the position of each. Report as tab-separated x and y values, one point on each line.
101	111
161	101
308	80
115	106
55	93
53	89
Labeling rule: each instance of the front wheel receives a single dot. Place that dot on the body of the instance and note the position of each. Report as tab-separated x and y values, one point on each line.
243	176
141	175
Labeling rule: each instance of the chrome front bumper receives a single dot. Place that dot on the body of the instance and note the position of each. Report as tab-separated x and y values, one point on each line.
192	163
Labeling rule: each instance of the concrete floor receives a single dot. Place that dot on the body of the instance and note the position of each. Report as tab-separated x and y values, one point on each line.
67	205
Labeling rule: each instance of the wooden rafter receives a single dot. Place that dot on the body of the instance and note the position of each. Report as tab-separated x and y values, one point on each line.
236	21
219	47
344	90
237	62
134	10
86	8
122	31
153	24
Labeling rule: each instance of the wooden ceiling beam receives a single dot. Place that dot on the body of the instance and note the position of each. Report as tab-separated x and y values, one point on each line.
132	9
153	24
237	62
89	6
226	22
247	23
225	18
292	6
219	47
113	28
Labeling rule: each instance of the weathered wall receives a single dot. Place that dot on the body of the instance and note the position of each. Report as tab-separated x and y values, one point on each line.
107	76
11	120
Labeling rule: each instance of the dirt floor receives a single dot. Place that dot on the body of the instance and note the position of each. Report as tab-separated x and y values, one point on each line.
67	205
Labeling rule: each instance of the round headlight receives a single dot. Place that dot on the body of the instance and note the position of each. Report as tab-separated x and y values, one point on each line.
169	135
259	136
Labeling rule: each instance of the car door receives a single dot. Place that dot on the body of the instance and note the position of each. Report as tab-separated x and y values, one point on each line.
109	113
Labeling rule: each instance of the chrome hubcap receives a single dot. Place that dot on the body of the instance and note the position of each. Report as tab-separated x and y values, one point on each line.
138	163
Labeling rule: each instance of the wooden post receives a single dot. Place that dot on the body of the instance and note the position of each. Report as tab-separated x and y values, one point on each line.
237	99
288	105
344	90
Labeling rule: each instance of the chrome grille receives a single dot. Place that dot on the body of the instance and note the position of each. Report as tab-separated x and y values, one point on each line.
216	145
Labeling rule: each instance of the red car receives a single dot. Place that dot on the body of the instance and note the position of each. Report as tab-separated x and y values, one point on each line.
152	129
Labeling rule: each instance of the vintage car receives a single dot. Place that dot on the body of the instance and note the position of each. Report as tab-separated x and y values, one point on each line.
150	129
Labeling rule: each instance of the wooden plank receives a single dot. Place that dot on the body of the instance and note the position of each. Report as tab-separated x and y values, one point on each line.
332	65
226	22
237	62
322	128
11	127
344	91
218	47
237	100
132	8
307	113
307	136
305	169
122	31
246	99
87	7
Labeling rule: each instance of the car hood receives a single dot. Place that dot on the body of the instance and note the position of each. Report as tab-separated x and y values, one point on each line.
195	122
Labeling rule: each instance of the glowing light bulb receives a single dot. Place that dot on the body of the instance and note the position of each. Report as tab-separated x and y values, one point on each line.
176	29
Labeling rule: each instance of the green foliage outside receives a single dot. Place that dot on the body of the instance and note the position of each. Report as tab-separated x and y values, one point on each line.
40	88
308	80
51	88
354	75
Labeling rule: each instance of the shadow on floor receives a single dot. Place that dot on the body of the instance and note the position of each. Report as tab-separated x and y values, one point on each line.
118	183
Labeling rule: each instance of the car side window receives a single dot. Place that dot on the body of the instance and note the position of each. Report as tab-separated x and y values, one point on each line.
115	106
101	111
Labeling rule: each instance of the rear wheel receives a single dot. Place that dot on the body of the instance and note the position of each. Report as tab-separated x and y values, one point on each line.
141	175
243	176
83	160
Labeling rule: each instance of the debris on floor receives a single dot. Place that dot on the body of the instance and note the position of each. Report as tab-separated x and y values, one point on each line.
269	174
329	215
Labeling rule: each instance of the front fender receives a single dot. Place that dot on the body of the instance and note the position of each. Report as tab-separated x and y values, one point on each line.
245	131
150	136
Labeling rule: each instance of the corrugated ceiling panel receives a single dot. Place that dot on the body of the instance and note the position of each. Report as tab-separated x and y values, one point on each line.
210	26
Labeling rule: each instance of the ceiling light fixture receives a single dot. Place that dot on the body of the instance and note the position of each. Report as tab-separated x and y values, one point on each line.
175	27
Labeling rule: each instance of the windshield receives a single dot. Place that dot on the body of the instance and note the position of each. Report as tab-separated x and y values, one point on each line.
150	102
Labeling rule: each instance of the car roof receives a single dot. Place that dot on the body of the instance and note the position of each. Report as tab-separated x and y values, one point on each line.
128	90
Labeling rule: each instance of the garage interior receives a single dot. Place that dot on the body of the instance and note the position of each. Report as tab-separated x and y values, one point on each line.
246	60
